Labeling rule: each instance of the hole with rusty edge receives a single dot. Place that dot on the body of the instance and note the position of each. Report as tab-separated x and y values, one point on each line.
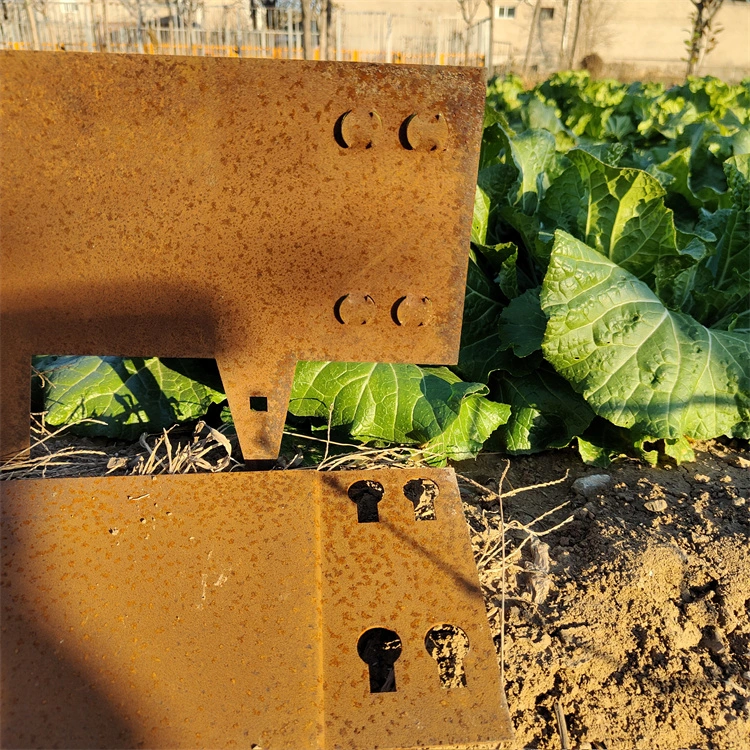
422	493
357	120
354	309
337	309
402	133
394	310
448	646
258	403
380	648
366	494
337	133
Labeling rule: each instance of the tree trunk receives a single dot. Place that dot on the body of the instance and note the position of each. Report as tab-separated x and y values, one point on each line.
330	38
105	26
32	25
564	40
576	32
695	39
491	52
701	36
325	11
468	11
532	30
307	51
140	29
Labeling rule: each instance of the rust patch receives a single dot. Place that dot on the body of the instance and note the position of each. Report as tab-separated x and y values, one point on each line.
259	212
232	609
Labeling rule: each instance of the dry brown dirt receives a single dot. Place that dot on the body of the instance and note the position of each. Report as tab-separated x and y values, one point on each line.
634	621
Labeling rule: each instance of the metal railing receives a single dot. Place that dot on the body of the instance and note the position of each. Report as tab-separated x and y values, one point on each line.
236	31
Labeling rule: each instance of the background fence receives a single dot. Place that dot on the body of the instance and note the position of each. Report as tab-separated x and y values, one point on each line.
190	27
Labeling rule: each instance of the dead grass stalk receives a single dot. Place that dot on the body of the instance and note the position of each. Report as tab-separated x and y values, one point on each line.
52	454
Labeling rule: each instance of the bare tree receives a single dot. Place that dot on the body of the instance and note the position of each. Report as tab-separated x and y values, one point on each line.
254	6
32	25
591	29
576	32
42	6
183	12
532	31
595	28
491	43
703	33
135	8
189	11
325	27
468	11
307	11
565	36
321	13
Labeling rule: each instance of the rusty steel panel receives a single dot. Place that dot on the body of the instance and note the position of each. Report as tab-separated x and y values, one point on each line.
260	212
231	610
166	612
407	576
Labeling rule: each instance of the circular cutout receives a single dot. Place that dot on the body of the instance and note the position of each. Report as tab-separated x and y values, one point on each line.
358	129
412	310
355	309
425	132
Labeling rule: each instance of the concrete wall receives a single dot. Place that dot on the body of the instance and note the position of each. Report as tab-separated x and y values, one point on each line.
651	32
641	34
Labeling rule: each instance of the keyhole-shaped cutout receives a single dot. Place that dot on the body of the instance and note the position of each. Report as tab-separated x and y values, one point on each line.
422	493
379	648
448	646
366	494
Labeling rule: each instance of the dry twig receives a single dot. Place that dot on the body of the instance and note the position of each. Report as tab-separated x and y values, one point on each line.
500	546
166	458
50	456
41	461
366	457
562	727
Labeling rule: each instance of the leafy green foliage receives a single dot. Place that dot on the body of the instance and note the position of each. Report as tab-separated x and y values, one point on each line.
522	324
638	364
406	404
635	242
480	335
607	301
126	396
619	212
545	411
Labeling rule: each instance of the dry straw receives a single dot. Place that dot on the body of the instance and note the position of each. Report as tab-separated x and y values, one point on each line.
54	454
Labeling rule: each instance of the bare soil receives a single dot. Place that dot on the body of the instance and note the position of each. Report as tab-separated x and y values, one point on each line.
634	622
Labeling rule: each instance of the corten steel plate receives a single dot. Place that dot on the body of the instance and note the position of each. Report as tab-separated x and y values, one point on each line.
257	211
226	610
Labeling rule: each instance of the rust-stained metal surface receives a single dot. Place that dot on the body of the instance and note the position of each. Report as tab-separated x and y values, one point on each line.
259	212
226	610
